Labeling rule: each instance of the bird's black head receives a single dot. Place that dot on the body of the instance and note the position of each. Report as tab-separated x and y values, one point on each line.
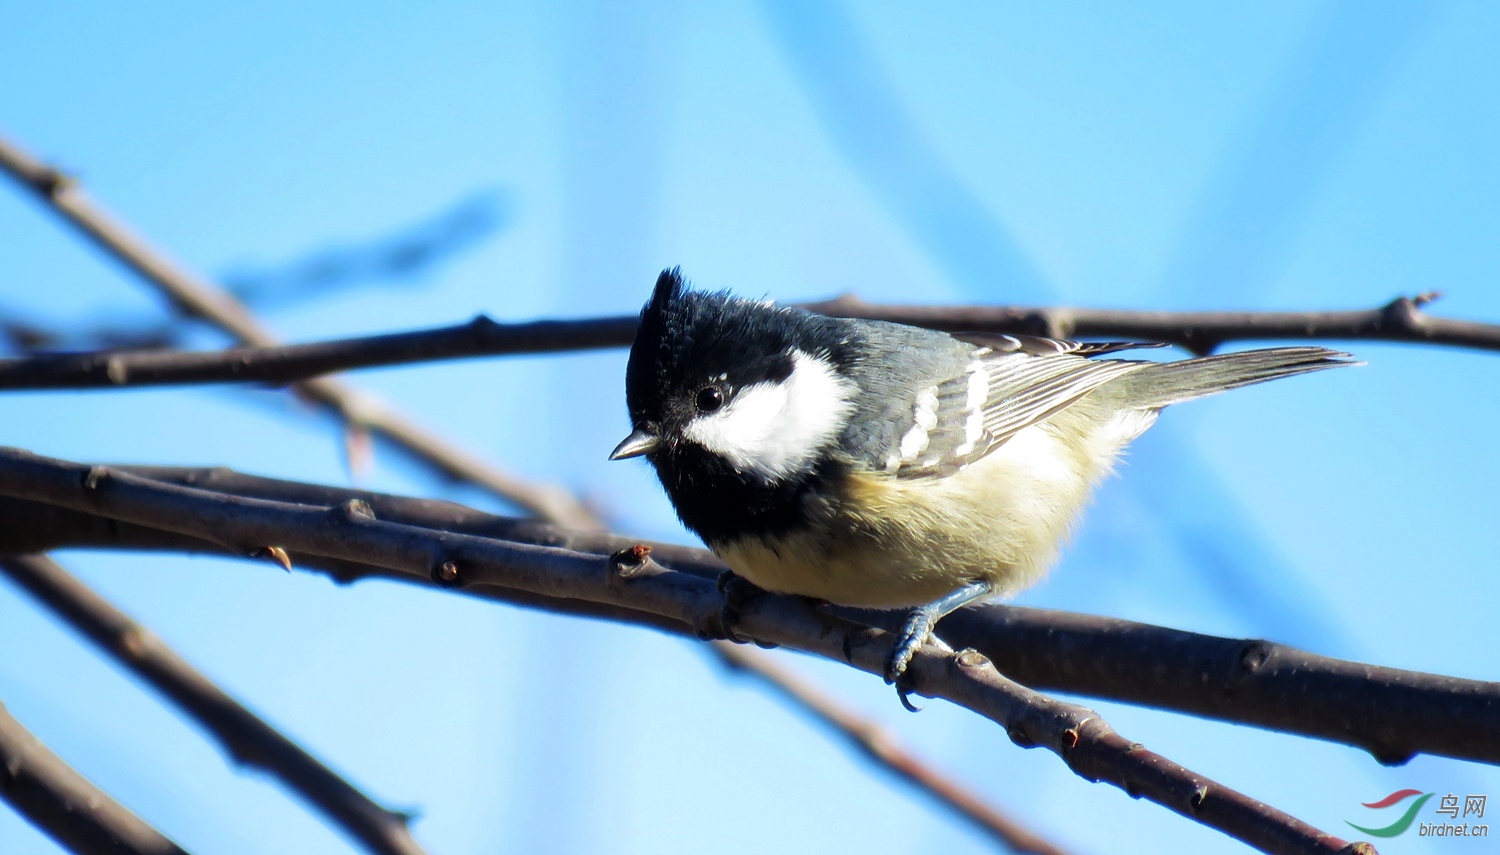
738	404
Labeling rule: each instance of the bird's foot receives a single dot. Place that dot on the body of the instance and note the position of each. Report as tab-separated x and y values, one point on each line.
912	635
738	592
918	629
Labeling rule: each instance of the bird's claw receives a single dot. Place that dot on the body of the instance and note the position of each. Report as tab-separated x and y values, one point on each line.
917	630
913	634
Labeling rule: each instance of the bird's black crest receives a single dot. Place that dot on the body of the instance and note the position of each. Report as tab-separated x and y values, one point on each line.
666	326
688	337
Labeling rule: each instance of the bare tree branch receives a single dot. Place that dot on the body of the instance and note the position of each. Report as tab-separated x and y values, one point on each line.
399	256
352	532
882	748
1391	713
290	363
1401	320
196	301
198	298
35	527
64	805
242	734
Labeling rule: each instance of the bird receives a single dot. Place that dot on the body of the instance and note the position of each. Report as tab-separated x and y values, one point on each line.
878	465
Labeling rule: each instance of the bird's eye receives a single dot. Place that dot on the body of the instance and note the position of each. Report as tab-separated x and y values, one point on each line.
710	398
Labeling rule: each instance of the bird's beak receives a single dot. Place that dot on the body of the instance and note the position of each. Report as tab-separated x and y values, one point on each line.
639	442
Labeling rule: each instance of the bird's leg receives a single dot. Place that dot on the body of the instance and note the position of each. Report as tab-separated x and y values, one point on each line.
918	628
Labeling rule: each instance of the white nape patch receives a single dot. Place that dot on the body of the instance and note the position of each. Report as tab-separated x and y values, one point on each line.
979	392
774	429
916	439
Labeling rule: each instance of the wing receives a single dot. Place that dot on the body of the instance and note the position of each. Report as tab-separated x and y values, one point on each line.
1012	382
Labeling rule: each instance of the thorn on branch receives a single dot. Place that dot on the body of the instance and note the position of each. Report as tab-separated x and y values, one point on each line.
482	323
1426	297
446	574
275	553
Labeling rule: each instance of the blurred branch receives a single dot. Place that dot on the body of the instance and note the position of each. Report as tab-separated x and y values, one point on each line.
1401	320
399	256
23	335
352	532
882	748
200	299
1391	713
245	737
64	805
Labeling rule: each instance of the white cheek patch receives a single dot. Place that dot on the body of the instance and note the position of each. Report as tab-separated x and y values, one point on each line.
774	429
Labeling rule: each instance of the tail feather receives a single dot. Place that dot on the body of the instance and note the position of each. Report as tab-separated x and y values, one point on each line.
1161	384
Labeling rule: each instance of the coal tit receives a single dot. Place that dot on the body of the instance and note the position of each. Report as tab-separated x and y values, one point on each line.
879	465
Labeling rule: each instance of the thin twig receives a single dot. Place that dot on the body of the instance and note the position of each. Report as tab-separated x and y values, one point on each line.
63	804
240	732
1077	735
293	362
1391	713
198	298
1401	320
881	747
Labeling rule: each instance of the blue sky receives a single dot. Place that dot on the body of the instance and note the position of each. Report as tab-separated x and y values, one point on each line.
1281	155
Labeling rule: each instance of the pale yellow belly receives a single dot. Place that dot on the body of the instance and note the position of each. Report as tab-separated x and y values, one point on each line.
897	543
